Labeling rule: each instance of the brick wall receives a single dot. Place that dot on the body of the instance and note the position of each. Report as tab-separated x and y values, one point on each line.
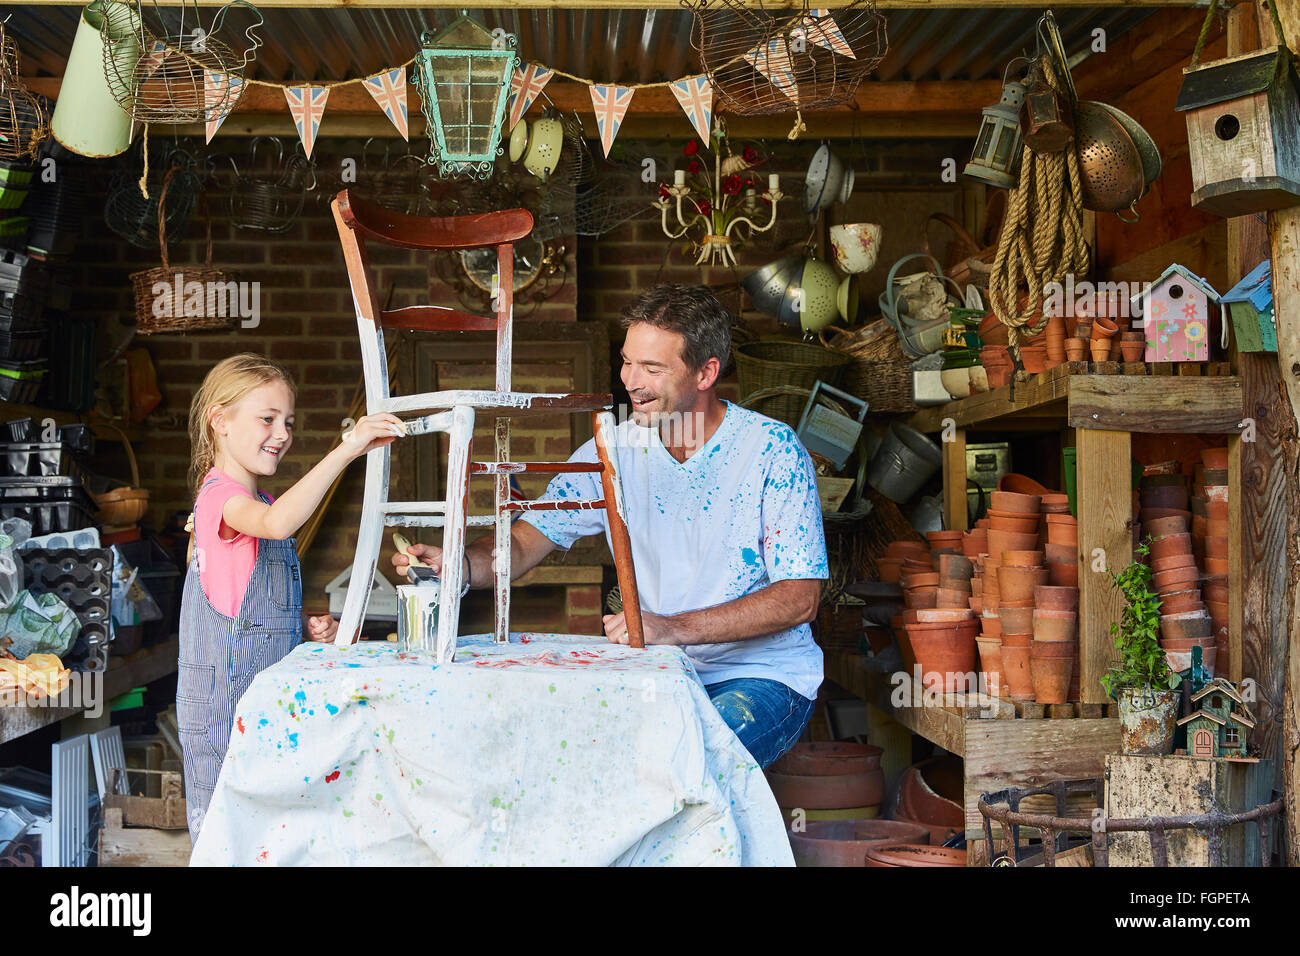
307	323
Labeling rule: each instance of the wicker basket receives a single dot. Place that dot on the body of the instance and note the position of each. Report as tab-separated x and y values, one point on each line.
165	311
765	365
123	507
879	373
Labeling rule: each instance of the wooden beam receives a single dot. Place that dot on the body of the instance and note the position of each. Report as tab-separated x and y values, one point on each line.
1284	242
1145	403
955	517
1105	512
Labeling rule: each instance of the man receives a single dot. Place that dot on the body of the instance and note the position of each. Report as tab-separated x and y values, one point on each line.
724	518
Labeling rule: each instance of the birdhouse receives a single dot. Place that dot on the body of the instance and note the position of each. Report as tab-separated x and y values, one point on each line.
1218	727
1177	310
1243	132
1249	307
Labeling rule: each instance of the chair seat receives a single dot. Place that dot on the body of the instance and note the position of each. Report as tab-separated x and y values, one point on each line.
504	404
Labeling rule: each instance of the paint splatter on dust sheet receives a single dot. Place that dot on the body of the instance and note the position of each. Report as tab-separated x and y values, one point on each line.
551	750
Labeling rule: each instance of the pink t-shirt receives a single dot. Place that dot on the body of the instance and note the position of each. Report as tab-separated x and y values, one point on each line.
226	566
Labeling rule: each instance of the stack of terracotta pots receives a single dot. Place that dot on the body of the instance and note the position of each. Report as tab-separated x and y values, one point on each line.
846	842
1184	619
939	626
1209	506
1062	548
1054	654
996	360
829	781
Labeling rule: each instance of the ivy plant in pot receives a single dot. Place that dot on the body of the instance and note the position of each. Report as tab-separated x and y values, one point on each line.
1142	682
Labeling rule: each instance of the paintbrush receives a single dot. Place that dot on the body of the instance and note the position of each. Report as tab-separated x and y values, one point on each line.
418	572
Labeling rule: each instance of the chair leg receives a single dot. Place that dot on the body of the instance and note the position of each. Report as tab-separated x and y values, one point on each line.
618	534
369	538
501	577
459	449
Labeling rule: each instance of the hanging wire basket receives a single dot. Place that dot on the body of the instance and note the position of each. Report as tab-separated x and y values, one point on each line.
782	60
24	120
271	200
176	69
133	216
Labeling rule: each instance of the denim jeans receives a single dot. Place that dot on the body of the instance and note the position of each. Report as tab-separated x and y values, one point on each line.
767	716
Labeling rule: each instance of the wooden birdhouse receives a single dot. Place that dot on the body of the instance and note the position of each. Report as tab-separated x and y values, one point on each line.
1249	307
1178	309
1220	722
1243	132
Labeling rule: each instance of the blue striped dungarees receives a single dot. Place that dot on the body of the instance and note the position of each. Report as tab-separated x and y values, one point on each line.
220	656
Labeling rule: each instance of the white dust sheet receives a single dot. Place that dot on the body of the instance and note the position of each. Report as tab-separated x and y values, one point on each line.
550	750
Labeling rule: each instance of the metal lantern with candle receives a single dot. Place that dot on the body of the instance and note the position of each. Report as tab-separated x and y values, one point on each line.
713	208
463	76
997	148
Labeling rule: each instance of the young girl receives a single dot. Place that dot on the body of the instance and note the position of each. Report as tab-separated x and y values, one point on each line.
242	606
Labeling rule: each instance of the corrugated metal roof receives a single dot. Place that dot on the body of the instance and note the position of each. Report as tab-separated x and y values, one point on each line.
620	46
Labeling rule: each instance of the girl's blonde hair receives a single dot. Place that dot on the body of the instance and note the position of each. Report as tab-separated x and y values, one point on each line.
229	381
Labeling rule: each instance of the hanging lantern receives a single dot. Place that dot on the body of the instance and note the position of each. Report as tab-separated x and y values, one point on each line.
997	148
463	75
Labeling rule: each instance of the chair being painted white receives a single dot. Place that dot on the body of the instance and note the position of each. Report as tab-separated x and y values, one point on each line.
453	411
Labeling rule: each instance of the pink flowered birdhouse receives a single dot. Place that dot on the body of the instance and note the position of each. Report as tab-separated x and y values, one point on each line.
1178	309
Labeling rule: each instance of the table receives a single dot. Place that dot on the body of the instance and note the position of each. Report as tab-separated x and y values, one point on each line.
549	750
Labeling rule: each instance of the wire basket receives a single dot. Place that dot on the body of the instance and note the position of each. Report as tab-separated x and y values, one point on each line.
163	294
880	373
135	217
777	61
176	69
24	120
270	201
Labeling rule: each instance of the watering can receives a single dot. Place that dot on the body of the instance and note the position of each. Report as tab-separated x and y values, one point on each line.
87	118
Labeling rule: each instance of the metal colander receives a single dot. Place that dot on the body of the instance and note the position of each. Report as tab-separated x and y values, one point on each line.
1110	165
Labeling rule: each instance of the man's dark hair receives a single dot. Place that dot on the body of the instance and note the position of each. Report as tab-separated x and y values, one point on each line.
694	313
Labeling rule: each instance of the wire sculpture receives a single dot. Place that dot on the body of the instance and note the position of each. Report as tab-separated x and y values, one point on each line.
270	200
786	60
175	69
24	120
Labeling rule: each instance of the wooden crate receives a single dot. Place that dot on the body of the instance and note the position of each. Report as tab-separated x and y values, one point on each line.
120	845
164	812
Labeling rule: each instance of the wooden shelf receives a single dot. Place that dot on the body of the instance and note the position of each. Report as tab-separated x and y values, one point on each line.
142	667
1068	396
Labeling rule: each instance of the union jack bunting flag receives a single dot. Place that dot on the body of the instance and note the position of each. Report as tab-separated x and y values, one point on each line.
525	84
216	101
773	61
825	32
695	95
307	107
389	90
610	104
157	53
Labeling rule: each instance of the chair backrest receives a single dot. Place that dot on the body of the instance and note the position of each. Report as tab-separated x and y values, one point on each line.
358	220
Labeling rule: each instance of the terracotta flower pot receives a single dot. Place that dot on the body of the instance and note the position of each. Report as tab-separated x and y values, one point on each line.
948	598
1022	559
905	854
1153	514
1217	593
1214	457
1175	626
1056	626
1060	553
1055	503
922	579
889	569
920	598
1016	620
1185	643
1033	357
1069	649
903	548
945	649
1164	496
1063	575
1178	579
825	758
846	842
1000	541
999	377
1100	350
1175	602
1218	611
1132	351
990	651
1157	527
990	627
955	567
1051	678
1103	328
1010	502
1168	545
1216	566
1017	640
1216	527
1064	534
1015	670
1216	547
1017	584
827	791
976	604
1049	598
1216	510
1010	521
1172	563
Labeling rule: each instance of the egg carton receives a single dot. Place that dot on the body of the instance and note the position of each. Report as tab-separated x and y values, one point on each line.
83	579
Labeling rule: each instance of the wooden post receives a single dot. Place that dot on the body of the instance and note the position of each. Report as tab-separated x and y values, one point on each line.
956	515
1105	497
1285	249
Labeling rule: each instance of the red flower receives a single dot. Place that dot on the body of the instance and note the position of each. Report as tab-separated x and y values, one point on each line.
731	185
691	148
750	154
693	167
663	191
705	207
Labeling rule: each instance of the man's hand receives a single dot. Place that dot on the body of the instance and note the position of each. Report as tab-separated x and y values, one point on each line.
655	629
322	629
429	554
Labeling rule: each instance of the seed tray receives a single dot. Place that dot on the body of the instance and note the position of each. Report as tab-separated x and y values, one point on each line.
32	459
78	437
22	346
47	488
20	429
83	580
19	313
47	516
21	381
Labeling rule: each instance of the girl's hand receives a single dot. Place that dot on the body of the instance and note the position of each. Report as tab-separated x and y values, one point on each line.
370	432
322	629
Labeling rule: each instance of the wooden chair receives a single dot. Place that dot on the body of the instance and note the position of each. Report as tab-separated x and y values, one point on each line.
453	411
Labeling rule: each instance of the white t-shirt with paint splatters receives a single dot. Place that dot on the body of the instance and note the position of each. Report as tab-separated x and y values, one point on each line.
739	514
